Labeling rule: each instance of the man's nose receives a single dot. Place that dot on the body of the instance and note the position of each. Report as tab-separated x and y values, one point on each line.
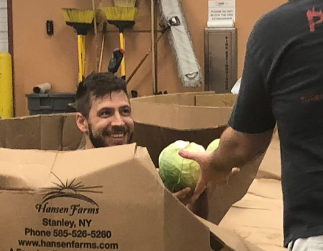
117	119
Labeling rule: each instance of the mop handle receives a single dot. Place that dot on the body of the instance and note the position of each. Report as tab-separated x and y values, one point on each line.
80	58
123	66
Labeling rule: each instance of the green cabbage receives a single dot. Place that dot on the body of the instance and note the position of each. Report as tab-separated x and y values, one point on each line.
177	172
213	145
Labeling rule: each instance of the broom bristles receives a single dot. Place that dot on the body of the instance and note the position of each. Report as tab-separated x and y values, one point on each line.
120	13
78	16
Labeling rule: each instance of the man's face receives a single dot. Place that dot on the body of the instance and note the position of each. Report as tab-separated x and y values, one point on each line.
110	122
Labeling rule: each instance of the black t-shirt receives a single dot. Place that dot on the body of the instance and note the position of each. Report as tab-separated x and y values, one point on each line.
282	82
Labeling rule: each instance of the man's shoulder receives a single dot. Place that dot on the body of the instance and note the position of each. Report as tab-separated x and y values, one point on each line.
277	26
275	17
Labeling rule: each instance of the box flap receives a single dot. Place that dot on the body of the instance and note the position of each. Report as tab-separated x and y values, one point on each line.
71	136
221	198
270	167
23	133
230	239
181	112
180	117
25	169
51	132
91	160
258	217
90	192
186	98
216	100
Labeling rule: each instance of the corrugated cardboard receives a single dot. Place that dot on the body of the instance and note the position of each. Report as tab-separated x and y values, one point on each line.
258	217
159	121
46	132
83	200
196	117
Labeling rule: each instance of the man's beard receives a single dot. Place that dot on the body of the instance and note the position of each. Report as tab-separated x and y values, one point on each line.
100	140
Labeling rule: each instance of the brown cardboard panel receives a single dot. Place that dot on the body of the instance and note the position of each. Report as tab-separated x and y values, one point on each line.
71	135
156	138
187	98
3	133
221	198
180	117
87	198
270	167
158	124
258	217
183	115
51	132
216	100
25	170
233	241
23	133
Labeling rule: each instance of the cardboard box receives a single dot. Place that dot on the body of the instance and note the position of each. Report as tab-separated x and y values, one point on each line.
159	121
258	216
82	200
196	117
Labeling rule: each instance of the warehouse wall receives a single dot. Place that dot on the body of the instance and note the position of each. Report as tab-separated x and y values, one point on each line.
3	26
39	58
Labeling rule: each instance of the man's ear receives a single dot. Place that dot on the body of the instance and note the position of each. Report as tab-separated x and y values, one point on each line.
81	122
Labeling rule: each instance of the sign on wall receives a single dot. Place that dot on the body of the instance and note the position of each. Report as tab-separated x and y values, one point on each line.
221	11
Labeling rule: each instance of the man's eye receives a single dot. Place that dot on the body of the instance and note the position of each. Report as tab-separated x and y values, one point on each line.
126	111
105	114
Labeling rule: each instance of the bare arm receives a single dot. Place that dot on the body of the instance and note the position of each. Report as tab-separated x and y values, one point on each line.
235	150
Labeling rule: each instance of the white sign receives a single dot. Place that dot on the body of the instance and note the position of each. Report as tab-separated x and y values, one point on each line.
222	10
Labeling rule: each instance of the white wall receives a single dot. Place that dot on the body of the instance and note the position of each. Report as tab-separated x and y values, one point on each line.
3	26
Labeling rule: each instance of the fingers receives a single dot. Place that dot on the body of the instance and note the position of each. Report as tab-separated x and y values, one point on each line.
190	155
199	189
182	193
235	170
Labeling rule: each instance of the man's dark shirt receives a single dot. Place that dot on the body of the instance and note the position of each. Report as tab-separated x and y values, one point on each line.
282	82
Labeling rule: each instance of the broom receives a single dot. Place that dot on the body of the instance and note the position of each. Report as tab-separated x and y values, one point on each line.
124	3
123	18
81	21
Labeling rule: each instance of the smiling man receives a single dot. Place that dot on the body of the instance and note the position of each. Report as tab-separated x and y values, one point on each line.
104	116
104	112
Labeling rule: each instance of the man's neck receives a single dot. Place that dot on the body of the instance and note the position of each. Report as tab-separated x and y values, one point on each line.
88	143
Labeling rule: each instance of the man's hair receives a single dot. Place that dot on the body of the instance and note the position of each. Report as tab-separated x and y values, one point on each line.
94	86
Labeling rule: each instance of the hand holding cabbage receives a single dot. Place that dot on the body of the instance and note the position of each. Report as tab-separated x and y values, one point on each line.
212	170
180	176
176	172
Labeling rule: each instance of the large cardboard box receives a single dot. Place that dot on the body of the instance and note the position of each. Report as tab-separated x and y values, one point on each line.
258	216
159	121
85	200
196	117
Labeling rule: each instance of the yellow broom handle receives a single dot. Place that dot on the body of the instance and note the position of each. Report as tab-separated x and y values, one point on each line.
6	98
80	58
83	53
123	66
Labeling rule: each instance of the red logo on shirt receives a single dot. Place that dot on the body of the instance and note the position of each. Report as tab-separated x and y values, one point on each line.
310	98
314	17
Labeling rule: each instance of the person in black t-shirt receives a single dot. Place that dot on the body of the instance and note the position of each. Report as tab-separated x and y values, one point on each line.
282	82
